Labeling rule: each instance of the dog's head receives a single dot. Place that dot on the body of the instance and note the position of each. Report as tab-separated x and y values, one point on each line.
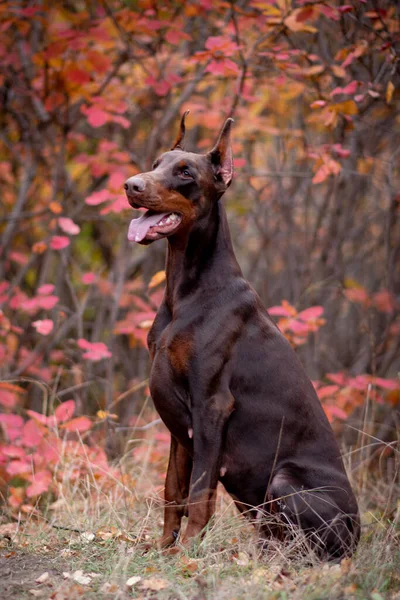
180	189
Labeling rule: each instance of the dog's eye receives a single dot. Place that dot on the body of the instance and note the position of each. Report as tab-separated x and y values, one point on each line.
185	173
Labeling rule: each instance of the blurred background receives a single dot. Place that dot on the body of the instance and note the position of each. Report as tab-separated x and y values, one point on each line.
91	93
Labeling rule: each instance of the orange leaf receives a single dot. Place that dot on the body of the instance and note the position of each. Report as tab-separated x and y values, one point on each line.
156	279
55	207
80	424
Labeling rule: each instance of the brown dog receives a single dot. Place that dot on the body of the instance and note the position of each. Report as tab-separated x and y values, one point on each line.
227	384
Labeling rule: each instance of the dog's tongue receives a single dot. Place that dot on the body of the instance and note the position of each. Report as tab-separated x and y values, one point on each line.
139	227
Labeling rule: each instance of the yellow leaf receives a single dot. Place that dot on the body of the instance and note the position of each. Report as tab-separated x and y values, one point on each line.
389	92
156	279
348	107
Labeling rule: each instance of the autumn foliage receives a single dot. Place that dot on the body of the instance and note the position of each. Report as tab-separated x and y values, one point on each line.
90	94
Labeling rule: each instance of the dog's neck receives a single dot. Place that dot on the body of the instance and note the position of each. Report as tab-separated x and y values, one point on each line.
202	256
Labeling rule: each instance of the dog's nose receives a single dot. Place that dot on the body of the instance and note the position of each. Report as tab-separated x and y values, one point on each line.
134	184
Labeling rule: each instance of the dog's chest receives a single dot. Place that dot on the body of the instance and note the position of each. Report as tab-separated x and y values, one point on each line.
169	378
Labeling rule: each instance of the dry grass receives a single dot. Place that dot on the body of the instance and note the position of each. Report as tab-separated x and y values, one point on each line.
104	527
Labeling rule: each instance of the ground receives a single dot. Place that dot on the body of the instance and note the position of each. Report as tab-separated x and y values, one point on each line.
94	538
95	559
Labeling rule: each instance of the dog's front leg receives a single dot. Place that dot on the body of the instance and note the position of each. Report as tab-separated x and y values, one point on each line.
209	420
176	491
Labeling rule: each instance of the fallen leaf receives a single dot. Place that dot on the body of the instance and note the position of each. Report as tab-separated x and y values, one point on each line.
188	565
81	578
133	581
242	559
154	584
109	588
44	577
345	565
88	536
108	534
8	529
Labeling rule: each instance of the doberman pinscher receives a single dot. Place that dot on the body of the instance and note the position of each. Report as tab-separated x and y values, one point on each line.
226	382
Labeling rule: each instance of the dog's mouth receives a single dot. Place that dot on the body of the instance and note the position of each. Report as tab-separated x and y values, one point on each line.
153	225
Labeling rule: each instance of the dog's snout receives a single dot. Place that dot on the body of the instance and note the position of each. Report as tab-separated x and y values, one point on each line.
134	184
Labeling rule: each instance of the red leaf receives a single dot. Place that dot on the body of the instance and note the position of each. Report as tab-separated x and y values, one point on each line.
279	311
65	411
88	278
19	467
384	301
80	424
221	44
116	181
222	67
357	294
340	151
13	425
125	123
96	116
68	226
305	14
338	378
335	411
32	434
44	326
387	384
298	327
346	8
174	36
161	88
58	242
101	63
8	399
13	451
38	416
314	312
45	289
327	390
321	174
47	302
351	88
41	483
77	75
98	197
95	351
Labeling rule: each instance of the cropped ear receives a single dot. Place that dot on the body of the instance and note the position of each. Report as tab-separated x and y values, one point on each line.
181	135
221	155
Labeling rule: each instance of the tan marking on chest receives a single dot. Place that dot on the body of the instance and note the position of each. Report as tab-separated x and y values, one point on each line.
180	351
